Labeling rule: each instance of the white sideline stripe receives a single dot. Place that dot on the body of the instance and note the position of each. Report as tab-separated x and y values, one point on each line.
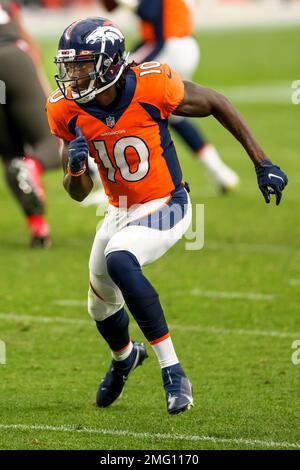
249	247
294	282
70	303
148	435
235	331
267	93
191	328
193	292
41	319
227	295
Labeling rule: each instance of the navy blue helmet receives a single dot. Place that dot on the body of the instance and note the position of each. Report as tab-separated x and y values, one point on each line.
91	57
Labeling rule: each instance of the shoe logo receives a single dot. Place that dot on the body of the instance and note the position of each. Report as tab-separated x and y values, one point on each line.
172	400
169	375
270	175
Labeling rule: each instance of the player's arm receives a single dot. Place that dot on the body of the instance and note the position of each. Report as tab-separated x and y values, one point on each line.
201	102
77	180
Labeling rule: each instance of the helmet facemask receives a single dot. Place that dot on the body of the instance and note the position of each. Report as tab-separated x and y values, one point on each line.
102	71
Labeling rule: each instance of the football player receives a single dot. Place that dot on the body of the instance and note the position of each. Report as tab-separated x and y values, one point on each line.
118	113
166	28
23	122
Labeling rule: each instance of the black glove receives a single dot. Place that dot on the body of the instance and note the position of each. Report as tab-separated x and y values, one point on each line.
78	154
271	180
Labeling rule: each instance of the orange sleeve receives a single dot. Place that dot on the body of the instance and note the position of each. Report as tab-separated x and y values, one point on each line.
161	86
57	117
174	91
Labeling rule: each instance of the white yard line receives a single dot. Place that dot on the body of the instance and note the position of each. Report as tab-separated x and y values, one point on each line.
235	331
249	247
152	436
15	317
266	93
226	295
294	282
70	303
193	292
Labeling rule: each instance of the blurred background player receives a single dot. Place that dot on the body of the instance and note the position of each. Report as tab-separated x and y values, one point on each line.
26	146
166	29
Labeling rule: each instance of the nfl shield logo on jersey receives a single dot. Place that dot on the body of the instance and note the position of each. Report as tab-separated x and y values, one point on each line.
110	121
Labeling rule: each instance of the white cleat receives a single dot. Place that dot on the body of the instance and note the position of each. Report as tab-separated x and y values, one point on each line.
224	177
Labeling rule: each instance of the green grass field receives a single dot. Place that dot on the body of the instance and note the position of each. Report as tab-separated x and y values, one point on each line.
236	347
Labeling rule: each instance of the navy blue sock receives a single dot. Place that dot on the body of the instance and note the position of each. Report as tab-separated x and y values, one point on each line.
189	133
114	330
140	296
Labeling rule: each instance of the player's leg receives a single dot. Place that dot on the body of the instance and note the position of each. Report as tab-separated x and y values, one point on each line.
28	125
23	176
106	307
24	182
183	55
141	242
20	176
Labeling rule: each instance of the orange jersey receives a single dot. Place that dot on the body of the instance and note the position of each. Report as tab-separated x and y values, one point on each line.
171	19
129	140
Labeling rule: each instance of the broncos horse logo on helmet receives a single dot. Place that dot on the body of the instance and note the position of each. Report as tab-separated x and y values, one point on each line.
111	33
95	47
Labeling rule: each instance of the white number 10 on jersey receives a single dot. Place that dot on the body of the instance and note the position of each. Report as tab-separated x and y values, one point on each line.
119	154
